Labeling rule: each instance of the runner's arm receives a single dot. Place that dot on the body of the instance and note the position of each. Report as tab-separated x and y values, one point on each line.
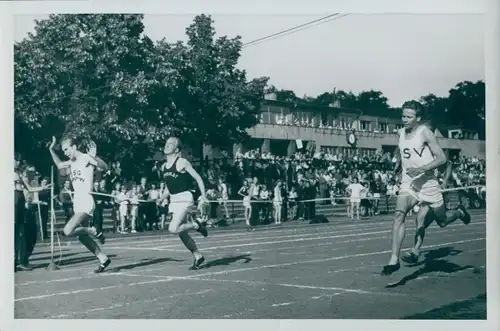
447	174
164	196
98	163
59	164
397	166
439	155
240	192
186	165
30	188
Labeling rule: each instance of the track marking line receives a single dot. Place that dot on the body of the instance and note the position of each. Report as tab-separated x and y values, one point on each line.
256	240
84	312
291	227
301	239
230	271
277	249
299	286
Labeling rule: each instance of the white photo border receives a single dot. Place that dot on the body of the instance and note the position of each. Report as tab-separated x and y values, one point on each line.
492	55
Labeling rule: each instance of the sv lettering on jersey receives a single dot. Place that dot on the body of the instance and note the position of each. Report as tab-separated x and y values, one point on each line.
407	152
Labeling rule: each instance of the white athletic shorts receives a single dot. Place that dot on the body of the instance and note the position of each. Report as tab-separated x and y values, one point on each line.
428	192
180	203
246	202
355	200
83	203
123	209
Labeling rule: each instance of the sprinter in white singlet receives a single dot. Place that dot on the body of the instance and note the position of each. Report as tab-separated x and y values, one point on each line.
82	167
420	155
178	173
442	215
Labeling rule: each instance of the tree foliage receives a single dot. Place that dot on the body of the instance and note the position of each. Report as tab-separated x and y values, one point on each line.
100	76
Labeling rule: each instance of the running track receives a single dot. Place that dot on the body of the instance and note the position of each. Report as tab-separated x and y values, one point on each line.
290	271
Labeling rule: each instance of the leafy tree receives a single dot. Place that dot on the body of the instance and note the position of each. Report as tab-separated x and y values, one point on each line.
213	101
85	75
285	95
466	105
100	76
372	100
435	109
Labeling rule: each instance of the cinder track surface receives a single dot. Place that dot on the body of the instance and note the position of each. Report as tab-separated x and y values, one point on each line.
290	271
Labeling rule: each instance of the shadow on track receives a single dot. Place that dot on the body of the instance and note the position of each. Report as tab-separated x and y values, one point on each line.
56	251
227	261
56	256
433	262
143	263
66	262
474	308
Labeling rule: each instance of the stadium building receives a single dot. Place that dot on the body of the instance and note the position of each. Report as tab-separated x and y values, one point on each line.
284	127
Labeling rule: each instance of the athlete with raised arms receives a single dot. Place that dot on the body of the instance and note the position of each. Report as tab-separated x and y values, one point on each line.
82	166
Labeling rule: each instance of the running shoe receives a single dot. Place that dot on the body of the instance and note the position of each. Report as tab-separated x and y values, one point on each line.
390	269
102	266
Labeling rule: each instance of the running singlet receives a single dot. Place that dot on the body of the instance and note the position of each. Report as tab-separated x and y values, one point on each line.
177	182
415	154
82	177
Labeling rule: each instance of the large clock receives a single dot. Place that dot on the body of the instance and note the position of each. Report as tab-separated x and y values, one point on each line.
351	138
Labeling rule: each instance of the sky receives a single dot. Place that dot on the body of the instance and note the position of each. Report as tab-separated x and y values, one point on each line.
404	56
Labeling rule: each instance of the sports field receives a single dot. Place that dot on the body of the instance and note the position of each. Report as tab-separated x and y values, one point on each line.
295	270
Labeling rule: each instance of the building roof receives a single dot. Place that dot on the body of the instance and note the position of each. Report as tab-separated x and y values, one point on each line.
389	113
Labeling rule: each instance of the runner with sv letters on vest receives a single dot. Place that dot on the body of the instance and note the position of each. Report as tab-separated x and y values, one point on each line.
420	156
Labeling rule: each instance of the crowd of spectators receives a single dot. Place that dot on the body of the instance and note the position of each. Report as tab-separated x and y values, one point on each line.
253	175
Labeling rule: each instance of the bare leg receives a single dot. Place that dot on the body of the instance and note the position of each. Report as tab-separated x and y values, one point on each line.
445	217
404	204
248	213
188	241
226	211
90	244
423	220
73	228
180	224
398	235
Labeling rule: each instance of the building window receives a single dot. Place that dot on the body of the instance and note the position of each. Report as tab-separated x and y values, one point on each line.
343	122
329	150
382	127
366	125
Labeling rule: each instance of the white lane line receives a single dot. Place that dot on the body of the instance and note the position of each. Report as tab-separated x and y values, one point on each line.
300	239
229	271
292	227
447	233
283	304
295	228
294	253
174	243
299	286
121	305
252	236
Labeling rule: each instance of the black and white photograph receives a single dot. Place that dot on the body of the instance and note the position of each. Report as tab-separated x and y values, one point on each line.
278	167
